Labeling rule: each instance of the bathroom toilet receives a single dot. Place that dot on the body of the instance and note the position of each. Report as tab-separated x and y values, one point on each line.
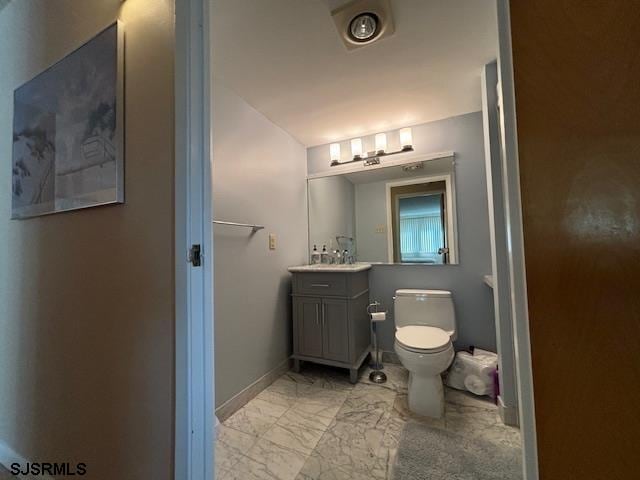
425	328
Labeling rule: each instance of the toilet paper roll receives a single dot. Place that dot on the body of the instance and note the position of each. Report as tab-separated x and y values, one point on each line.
476	385
378	316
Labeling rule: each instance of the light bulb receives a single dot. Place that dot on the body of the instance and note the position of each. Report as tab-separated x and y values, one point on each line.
406	138
356	147
334	152
381	142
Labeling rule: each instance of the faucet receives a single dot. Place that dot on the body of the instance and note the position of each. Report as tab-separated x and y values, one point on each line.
347	258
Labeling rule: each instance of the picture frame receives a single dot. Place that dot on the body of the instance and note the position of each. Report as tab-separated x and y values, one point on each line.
68	131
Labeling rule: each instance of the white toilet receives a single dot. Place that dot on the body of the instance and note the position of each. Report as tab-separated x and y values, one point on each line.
425	327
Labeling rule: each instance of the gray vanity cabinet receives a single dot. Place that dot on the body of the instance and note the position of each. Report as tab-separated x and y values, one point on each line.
335	333
330	321
309	324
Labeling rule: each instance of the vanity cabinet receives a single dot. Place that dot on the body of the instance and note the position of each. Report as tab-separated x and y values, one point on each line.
330	321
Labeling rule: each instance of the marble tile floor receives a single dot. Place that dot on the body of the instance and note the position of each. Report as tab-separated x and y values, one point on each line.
315	425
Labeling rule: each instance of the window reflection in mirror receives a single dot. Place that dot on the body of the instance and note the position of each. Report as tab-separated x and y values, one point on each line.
403	213
419	223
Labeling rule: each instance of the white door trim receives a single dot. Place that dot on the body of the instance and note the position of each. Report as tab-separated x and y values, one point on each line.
194	377
515	244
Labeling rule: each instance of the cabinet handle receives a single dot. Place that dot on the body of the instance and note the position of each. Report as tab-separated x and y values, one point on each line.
317	315
323	285
323	314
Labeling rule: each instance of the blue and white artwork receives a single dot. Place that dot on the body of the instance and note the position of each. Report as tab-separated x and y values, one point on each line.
68	132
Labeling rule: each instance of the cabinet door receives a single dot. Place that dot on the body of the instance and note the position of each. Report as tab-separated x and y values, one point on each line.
335	320
309	326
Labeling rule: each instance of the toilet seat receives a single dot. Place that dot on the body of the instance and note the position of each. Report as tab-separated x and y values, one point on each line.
423	339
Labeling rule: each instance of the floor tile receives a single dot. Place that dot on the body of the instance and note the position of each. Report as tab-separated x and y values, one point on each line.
294	417
255	417
315	425
268	461
284	392
231	444
304	377
294	437
366	404
321	402
351	446
298	431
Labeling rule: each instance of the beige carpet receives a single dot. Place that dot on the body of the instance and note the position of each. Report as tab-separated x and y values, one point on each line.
427	453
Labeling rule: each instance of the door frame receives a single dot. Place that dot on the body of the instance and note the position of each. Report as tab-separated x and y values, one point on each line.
194	422
515	245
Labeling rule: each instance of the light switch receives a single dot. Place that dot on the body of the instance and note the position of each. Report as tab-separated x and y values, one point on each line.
380	228
272	241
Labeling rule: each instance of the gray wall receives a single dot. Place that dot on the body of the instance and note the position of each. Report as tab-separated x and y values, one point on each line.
331	211
371	210
259	176
473	299
87	297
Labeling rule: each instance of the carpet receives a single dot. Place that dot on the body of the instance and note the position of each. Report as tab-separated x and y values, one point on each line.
428	453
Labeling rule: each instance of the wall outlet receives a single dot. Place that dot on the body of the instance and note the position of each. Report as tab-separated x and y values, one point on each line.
380	228
272	241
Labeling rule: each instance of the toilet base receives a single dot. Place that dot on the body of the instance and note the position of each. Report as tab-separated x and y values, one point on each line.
426	395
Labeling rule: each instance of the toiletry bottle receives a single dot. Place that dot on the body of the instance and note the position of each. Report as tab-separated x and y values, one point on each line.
324	255
345	257
338	256
315	256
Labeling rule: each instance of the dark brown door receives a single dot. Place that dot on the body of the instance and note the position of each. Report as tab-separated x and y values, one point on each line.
577	84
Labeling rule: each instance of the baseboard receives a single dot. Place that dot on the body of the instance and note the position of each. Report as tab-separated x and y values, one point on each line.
508	415
239	400
8	456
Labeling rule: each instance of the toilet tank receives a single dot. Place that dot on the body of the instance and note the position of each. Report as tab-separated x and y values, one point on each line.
433	308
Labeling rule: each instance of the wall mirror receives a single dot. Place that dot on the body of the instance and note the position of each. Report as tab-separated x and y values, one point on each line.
403	213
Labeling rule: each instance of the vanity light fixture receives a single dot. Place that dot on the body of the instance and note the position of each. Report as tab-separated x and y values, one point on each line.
381	143
356	148
372	158
406	139
334	152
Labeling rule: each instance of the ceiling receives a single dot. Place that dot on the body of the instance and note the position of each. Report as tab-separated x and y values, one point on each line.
285	58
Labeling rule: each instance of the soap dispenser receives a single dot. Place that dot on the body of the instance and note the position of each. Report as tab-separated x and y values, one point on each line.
315	256
324	255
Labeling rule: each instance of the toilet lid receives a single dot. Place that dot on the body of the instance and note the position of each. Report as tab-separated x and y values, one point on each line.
422	337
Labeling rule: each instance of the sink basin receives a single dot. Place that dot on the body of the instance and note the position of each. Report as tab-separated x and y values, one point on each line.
347	268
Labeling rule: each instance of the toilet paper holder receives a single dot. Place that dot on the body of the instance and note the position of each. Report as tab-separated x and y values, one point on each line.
377	375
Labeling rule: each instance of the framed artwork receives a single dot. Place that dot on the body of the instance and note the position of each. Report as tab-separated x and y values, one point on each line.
68	131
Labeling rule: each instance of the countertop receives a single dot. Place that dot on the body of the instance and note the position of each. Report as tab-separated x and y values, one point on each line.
346	268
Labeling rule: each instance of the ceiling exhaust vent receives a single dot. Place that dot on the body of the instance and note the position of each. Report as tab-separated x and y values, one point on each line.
363	22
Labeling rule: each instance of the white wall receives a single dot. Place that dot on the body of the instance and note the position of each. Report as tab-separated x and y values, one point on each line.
259	176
